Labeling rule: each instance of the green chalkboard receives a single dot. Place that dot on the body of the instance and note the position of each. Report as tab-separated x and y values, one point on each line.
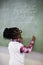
26	15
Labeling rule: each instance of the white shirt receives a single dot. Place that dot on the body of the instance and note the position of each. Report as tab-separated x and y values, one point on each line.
16	58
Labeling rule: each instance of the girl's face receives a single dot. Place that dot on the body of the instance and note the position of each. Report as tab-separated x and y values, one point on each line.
20	40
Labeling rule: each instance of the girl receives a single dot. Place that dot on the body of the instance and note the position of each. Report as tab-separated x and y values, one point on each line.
16	47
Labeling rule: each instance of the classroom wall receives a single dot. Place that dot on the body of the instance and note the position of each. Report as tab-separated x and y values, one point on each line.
25	14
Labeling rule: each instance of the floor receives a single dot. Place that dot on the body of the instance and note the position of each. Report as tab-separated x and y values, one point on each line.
32	58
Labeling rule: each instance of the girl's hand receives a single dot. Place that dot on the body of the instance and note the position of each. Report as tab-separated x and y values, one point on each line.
33	38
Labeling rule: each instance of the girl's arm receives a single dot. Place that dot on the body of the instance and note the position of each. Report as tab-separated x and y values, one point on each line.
28	49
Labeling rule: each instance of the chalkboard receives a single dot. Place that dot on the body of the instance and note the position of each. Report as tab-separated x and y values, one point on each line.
26	15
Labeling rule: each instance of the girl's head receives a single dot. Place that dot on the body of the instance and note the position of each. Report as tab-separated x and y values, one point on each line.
12	33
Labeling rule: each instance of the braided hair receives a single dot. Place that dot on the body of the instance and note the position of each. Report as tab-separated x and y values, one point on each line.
12	33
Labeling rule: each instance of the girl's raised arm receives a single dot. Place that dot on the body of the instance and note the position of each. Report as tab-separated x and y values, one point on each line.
27	49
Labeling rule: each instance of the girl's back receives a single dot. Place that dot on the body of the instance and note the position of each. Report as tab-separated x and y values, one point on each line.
15	56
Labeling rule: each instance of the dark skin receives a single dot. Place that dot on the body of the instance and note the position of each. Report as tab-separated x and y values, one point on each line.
33	38
21	39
